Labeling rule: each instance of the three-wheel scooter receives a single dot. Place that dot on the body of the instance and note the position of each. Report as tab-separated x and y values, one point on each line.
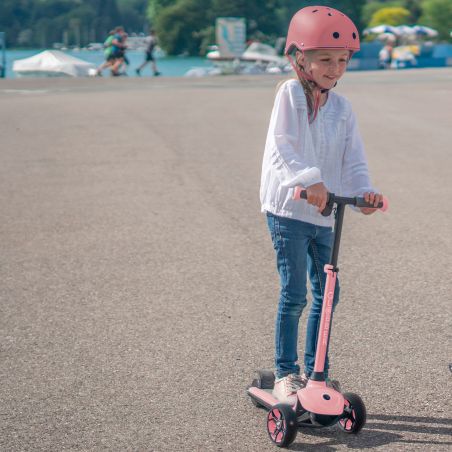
317	405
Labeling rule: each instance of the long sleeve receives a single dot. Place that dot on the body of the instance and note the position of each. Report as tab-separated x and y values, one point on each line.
328	150
290	140
355	173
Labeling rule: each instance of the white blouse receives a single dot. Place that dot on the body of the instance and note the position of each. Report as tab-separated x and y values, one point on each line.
329	150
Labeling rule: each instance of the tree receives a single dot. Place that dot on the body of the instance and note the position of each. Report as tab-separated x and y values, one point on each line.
415	9
353	9
390	16
259	14
178	26
14	17
107	17
371	7
133	14
155	7
438	15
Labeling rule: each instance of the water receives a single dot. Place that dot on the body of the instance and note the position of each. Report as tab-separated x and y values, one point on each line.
178	66
168	66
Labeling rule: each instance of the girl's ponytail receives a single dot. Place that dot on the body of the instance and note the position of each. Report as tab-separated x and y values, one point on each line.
308	90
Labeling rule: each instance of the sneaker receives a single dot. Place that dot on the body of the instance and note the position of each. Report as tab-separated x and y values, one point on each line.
138	72
303	379
285	388
156	74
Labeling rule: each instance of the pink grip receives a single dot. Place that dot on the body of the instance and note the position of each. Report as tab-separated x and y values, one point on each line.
385	204
297	192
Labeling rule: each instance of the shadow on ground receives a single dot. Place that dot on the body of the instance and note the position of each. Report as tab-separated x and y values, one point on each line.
378	431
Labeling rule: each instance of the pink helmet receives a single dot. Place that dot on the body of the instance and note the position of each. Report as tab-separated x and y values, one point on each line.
320	27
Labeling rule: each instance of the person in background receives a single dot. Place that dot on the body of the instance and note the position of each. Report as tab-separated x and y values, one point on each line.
109	60
119	46
121	58
151	42
385	56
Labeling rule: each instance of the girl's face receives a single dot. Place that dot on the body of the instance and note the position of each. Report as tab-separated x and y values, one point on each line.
326	66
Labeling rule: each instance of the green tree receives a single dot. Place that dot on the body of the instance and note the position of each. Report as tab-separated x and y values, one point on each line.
287	8
415	9
353	9
391	16
155	7
179	26
438	15
48	20
107	17
42	22
133	14
14	17
260	15
372	6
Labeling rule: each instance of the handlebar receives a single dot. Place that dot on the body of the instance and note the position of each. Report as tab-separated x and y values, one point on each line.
301	193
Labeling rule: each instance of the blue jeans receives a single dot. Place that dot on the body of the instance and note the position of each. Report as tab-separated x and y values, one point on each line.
301	249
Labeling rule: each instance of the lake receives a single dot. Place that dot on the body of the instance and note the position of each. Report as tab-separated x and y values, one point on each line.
168	66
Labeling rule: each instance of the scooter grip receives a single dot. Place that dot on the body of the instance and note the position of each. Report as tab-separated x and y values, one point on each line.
300	193
383	205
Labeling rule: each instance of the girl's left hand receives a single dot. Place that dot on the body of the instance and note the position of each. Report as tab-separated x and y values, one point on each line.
371	198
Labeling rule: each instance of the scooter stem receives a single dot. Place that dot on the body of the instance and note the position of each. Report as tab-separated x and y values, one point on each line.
325	324
328	297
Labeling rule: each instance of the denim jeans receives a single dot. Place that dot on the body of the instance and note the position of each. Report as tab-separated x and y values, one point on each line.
301	249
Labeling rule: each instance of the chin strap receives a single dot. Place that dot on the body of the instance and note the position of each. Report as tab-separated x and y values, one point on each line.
317	90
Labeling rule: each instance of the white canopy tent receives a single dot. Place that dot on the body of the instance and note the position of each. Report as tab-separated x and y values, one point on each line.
53	63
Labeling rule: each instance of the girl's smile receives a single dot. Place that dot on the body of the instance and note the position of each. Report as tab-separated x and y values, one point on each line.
326	66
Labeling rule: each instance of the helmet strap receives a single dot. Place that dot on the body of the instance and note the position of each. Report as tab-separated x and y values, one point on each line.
317	89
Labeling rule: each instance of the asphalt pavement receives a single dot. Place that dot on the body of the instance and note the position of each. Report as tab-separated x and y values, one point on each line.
138	283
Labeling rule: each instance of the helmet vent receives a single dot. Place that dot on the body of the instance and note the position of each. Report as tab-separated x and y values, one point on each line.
336	35
315	11
354	35
329	14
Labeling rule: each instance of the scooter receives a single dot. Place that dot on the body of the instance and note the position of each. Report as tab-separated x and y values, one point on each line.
317	405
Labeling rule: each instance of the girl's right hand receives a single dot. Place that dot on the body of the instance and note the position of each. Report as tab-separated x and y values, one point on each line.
317	195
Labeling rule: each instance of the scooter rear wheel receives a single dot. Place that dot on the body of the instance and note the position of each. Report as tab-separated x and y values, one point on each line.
265	380
282	425
354	417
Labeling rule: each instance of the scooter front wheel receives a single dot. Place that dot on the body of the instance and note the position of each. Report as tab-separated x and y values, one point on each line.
354	416
282	425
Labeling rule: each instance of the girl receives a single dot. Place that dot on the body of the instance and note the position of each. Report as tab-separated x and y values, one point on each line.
312	141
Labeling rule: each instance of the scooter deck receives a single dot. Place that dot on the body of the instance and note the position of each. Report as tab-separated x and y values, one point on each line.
265	398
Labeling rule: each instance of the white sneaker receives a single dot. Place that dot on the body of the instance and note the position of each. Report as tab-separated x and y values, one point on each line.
285	389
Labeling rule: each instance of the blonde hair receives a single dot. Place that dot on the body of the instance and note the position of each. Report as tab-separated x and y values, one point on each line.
308	86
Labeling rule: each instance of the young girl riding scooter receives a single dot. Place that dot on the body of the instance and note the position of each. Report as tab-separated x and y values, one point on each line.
313	141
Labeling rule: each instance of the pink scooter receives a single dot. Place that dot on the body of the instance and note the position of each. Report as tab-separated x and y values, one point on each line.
318	405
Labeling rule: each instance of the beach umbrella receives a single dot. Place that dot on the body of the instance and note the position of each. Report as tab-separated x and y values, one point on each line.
421	30
379	29
405	30
387	37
